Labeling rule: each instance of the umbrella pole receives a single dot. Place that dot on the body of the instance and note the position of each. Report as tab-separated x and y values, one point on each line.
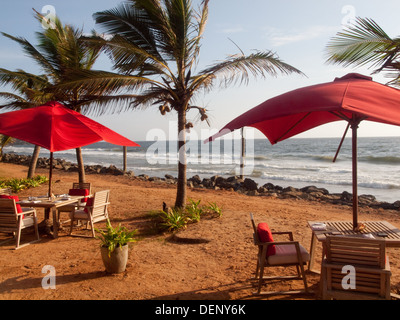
242	156
51	174
354	127
341	143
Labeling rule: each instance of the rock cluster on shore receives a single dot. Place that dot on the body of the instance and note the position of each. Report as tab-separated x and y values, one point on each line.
245	186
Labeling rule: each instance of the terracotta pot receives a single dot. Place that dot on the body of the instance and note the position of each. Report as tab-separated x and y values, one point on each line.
116	262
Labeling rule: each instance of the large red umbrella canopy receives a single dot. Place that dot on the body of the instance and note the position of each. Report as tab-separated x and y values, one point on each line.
57	128
352	98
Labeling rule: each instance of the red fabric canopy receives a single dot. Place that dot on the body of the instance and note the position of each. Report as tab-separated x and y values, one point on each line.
299	110
57	128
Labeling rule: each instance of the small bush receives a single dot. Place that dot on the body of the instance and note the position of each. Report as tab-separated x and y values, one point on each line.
17	185
175	219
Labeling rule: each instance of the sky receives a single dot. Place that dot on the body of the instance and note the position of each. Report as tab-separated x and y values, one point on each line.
297	31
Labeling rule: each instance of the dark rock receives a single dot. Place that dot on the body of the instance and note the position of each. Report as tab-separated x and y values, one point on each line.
289	189
250	184
312	189
346	196
195	180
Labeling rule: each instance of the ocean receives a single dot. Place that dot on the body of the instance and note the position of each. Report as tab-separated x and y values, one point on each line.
294	162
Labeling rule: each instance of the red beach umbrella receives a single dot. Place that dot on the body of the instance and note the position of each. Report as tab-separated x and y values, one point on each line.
57	128
352	98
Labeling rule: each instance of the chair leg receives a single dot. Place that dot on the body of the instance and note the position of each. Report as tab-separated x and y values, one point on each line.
257	268
323	284
92	226
260	281
72	224
299	273
18	233
303	276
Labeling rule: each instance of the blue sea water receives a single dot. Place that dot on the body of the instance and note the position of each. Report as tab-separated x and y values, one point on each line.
293	162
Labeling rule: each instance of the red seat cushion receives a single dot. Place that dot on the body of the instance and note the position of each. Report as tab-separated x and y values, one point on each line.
265	235
16	198
89	203
79	192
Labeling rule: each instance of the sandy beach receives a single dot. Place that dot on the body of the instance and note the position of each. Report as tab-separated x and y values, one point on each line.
216	268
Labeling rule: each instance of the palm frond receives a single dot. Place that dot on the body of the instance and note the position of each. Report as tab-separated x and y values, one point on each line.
239	68
199	27
130	23
360	44
94	82
32	52
104	104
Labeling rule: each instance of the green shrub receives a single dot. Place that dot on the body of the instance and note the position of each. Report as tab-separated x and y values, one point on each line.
17	185
175	219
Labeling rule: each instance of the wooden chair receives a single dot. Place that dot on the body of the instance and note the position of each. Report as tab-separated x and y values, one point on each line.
5	191
81	203
369	276
288	253
12	221
95	210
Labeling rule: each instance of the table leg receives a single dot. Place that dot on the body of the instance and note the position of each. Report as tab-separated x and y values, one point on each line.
46	213
55	223
312	254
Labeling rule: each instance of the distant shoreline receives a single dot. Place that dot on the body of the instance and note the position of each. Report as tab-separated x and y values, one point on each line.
245	186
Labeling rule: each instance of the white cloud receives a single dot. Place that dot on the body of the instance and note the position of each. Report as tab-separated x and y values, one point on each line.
232	29
283	37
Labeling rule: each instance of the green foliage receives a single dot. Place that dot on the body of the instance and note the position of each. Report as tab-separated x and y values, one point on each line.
115	237
175	219
193	210
212	206
17	185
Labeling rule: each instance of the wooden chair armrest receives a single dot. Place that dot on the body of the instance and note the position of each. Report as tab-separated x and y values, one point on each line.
98	206
278	243
289	233
282	243
27	211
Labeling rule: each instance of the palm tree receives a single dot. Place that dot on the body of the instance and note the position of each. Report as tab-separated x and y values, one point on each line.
155	45
60	53
366	43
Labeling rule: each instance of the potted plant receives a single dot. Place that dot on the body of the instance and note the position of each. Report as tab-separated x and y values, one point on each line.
114	247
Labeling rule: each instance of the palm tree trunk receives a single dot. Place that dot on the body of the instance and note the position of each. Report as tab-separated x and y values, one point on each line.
81	167
32	165
180	201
